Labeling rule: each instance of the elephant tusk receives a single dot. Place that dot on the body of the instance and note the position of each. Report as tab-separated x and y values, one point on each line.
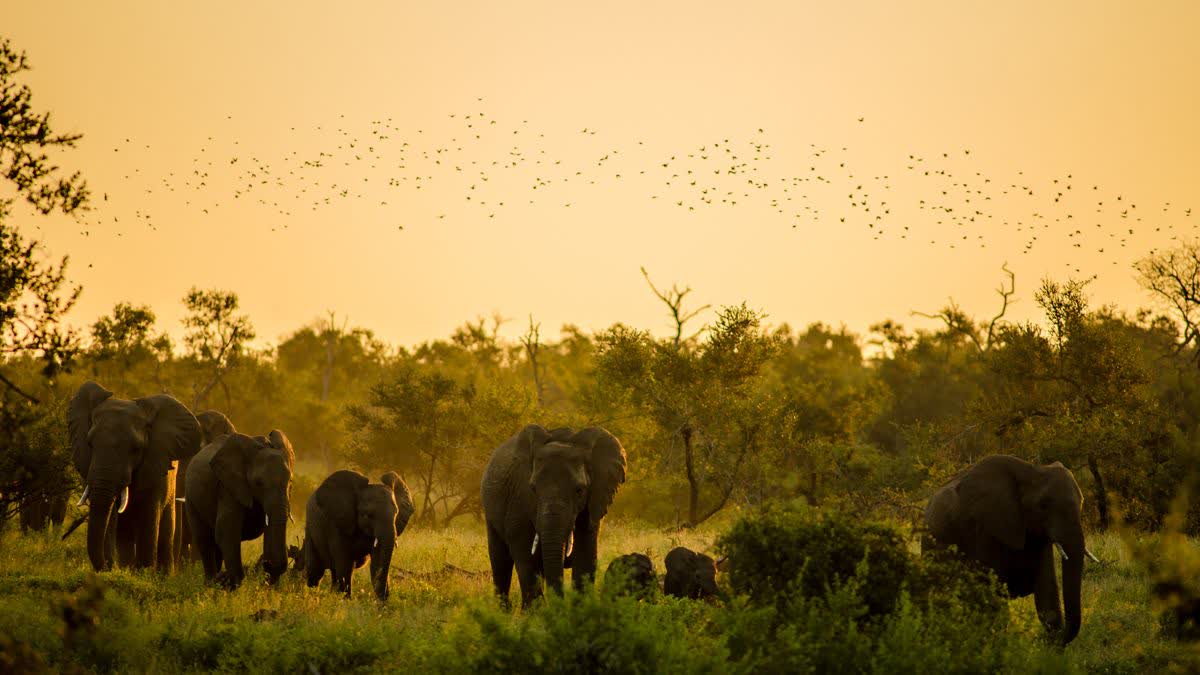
533	549
181	500
83	498
1091	555
124	500
1061	551
267	520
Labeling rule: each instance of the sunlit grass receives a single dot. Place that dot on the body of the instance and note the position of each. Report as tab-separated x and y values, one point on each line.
173	624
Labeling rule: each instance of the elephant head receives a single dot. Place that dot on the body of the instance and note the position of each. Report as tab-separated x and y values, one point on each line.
404	502
257	472
690	574
573	477
1022	505
123	450
214	423
367	513
632	573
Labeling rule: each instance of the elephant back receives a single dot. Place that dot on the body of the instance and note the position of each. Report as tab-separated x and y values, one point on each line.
337	498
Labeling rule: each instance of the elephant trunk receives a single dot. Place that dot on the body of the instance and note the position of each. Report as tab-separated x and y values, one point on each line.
552	528
381	563
275	541
102	502
1072	579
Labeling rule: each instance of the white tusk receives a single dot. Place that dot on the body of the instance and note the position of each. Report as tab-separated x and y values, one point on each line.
1061	551
375	543
1091	555
268	520
124	500
535	542
83	498
181	500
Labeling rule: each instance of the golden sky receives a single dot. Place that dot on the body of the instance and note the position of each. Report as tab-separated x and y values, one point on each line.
1100	96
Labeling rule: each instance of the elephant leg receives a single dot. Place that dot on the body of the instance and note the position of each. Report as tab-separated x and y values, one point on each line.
584	551
126	539
206	544
166	537
314	564
1045	592
110	540
343	565
502	564
228	534
529	574
147	517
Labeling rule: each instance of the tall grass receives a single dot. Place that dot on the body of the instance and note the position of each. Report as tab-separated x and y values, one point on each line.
440	609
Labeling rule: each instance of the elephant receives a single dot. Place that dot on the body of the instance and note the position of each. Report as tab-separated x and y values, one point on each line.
541	489
631	574
238	489
404	503
125	453
690	575
212	425
1008	515
347	519
42	511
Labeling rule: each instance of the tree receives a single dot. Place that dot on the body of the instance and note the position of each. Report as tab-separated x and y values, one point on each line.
123	343
704	395
1173	277
423	422
34	293
216	337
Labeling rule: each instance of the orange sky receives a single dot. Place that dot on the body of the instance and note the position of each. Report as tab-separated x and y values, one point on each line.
1103	92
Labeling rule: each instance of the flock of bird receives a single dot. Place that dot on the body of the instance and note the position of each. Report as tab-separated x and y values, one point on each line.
491	166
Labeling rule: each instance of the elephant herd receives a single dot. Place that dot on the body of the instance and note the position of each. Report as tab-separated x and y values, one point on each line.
165	486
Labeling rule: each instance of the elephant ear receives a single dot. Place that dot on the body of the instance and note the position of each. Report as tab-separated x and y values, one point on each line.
404	502
231	462
279	441
79	422
338	498
993	501
214	423
606	464
172	426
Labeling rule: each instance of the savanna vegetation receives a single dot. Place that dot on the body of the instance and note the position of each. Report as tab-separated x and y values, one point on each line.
745	436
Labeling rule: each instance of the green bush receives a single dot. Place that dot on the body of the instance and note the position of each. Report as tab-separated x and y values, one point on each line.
581	632
823	593
794	550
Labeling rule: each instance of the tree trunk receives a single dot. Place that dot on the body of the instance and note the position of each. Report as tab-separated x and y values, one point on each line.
693	482
1100	491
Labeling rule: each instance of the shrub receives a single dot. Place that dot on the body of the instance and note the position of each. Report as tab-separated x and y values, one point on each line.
795	550
581	632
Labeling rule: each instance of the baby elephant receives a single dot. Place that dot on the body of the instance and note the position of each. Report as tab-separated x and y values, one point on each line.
690	575
348	519
631	574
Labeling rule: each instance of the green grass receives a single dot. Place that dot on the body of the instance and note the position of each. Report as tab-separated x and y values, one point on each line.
440	584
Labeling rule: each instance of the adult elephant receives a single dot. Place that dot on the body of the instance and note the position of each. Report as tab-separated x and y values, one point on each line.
125	453
541	489
238	489
212	425
1009	515
42	511
347	519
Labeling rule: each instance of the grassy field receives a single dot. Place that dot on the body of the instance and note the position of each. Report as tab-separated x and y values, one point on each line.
145	623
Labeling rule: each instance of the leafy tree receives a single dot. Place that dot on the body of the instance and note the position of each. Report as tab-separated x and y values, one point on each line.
216	338
34	293
124	347
704	395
